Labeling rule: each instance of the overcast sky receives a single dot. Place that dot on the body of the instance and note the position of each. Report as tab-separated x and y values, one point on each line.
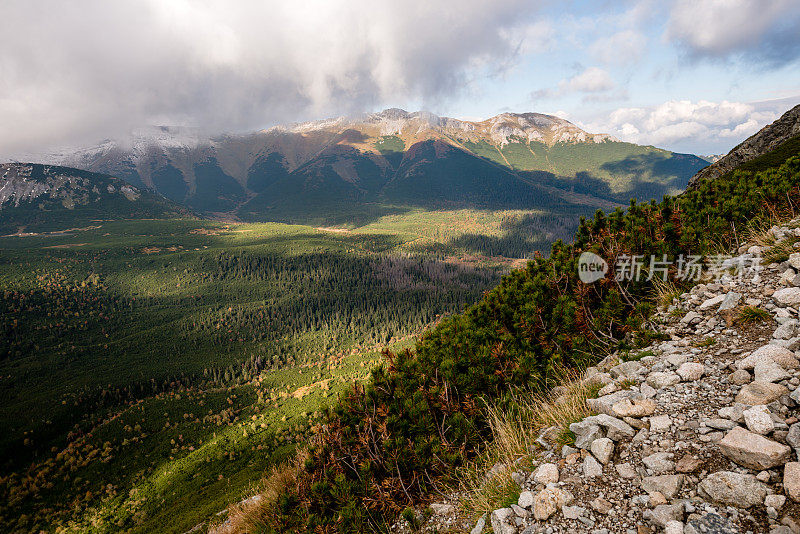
689	75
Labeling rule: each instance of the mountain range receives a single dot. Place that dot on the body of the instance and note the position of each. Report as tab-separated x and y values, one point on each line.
345	170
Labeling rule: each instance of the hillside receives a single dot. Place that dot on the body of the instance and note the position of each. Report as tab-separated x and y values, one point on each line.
766	140
346	169
421	423
37	197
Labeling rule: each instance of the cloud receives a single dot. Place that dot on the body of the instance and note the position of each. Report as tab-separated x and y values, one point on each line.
590	81
764	31
622	48
78	71
701	127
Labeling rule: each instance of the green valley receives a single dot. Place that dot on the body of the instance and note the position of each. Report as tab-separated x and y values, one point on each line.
162	366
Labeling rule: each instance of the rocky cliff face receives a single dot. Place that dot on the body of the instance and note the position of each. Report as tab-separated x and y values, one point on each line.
765	140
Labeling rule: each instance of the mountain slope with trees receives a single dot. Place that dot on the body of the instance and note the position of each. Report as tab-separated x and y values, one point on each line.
388	444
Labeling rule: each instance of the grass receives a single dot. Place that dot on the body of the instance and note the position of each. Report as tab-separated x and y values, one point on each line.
705	342
630	356
751	315
780	251
665	292
515	434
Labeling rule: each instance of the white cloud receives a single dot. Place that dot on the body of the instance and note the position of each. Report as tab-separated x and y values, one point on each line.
76	71
621	48
767	30
683	125
590	81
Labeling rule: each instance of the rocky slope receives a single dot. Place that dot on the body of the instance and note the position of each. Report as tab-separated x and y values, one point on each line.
339	163
697	434
762	142
33	194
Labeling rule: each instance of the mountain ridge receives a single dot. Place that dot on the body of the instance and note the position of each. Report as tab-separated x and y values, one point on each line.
237	174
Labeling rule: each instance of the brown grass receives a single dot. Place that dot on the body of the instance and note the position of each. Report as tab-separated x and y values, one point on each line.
515	434
253	515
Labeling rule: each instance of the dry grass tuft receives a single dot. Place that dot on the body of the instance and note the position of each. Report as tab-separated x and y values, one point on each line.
760	234
515	435
665	292
252	515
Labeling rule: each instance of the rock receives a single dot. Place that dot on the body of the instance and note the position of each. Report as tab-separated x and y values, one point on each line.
591	467
525	499
688	464
758	420
734	489
720	424
519	511
566	450
711	303
660	380
615	428
753	451
769	371
691	318
601	506
625	471
691	371
662	514
710	524
633	408
546	474
626	369
676	360
604	404
734	413
791	480
657	498
731	301
780	355
572	512
603	449
793	436
788	296
478	528
659	462
794	260
785	331
585	433
608	389
667	485
795	396
740	377
502	521
673	527
760	393
660	423
647	391
549	501
775	501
